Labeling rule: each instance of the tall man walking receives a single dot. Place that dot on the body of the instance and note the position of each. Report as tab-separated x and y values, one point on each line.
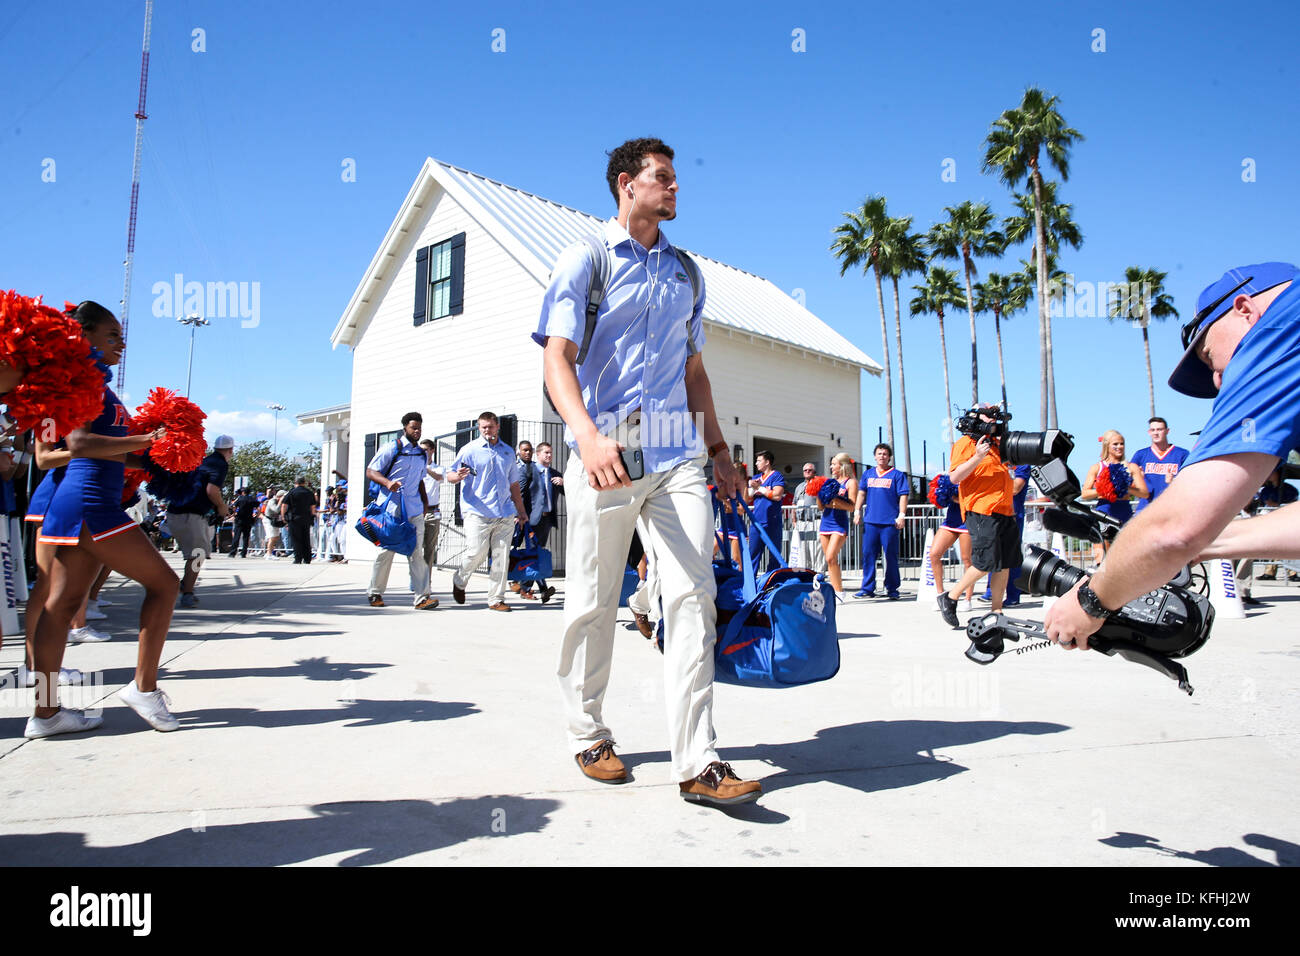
491	503
399	469
641	387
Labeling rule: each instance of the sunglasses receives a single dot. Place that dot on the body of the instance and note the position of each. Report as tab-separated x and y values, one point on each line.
1190	329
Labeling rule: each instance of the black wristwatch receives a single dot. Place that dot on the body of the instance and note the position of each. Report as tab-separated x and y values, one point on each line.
1089	601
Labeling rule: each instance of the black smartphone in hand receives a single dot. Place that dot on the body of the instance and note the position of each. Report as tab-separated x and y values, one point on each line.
633	463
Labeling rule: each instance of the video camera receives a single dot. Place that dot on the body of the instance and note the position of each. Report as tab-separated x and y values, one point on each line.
1169	622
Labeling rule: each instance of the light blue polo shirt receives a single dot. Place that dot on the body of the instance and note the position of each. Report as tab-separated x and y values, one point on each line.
409	466
637	356
486	493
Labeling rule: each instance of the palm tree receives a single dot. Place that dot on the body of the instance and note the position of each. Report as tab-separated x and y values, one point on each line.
858	241
1140	298
905	255
941	289
968	233
1057	220
1013	146
1001	295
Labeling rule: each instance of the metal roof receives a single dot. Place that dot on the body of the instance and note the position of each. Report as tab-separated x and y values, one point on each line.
536	230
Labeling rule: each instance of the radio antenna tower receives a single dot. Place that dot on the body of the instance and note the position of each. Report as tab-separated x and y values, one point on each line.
140	117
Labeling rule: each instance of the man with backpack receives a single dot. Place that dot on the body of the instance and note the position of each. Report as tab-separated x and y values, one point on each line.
622	327
188	518
398	469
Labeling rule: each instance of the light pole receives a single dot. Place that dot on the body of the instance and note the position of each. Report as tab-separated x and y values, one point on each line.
193	321
277	408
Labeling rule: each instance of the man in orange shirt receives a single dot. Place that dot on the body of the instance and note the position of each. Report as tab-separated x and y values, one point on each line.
986	500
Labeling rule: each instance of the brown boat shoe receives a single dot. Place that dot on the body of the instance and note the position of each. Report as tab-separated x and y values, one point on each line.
719	786
600	763
644	626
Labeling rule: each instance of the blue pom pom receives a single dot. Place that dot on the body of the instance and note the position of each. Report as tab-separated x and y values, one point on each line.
830	490
1121	479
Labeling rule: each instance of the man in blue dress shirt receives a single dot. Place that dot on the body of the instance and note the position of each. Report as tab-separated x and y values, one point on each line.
641	388
491	504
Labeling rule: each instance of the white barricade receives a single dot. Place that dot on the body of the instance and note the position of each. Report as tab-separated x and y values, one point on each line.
1223	590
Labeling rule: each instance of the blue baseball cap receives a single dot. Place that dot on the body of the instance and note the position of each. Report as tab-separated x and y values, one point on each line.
1192	376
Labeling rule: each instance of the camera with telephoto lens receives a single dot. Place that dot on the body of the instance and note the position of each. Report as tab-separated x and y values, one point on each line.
971	424
1170	622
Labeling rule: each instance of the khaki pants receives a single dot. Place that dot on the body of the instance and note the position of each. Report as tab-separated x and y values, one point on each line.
677	519
429	545
419	573
481	536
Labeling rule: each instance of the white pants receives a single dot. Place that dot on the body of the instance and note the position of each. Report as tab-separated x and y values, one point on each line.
414	564
483	535
677	521
645	599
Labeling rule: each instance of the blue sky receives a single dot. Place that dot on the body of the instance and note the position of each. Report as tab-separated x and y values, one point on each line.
246	140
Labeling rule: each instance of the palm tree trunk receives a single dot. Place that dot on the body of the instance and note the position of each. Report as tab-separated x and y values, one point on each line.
884	347
1002	369
902	386
974	355
1146	346
947	395
1048	393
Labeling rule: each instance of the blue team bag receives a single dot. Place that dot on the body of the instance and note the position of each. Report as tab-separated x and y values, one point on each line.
384	524
528	562
784	634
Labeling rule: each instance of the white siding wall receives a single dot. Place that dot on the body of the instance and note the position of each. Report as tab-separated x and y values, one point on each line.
453	368
782	394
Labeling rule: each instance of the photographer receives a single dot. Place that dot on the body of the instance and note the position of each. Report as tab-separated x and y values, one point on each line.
1243	346
985	487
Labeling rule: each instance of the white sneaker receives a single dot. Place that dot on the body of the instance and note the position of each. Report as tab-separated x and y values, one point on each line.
66	721
94	614
102	602
67	676
87	635
152	707
966	605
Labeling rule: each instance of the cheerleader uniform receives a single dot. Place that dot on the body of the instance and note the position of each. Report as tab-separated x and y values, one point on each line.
835	520
953	520
90	494
40	501
1121	510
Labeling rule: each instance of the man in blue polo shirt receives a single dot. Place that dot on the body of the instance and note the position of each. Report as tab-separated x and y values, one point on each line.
398	468
641	390
1243	350
491	504
1160	462
881	509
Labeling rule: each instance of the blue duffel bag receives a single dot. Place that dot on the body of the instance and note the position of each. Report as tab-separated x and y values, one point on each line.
784	634
385	525
778	632
528	561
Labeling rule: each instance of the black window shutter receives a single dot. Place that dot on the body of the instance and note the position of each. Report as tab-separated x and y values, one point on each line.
509	430
458	274
421	285
370	455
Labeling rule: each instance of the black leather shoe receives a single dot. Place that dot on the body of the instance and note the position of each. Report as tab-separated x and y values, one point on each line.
458	594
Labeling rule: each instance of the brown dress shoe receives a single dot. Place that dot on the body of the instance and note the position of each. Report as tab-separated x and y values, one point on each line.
719	786
600	763
458	594
644	626
528	595
548	592
376	601
427	604
514	586
499	606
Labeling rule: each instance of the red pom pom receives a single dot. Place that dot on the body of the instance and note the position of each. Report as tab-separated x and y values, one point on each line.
182	447
135	477
61	388
815	485
1105	487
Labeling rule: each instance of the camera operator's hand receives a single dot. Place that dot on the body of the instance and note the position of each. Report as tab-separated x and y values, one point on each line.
983	447
1068	624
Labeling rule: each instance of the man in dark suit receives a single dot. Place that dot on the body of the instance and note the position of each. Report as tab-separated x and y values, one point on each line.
539	503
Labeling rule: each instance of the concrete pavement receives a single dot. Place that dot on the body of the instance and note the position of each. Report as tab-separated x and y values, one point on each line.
316	730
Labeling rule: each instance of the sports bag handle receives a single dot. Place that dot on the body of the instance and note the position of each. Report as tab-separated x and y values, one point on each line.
755	526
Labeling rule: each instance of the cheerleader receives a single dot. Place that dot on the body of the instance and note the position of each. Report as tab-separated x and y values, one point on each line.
87	526
1114	481
952	529
834	527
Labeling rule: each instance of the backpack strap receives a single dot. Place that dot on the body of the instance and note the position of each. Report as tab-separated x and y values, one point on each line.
598	256
692	271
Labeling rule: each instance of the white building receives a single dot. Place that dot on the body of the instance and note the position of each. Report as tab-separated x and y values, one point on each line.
441	319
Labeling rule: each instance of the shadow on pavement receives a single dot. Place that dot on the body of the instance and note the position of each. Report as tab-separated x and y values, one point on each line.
370	832
1285	853
878	754
312	668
